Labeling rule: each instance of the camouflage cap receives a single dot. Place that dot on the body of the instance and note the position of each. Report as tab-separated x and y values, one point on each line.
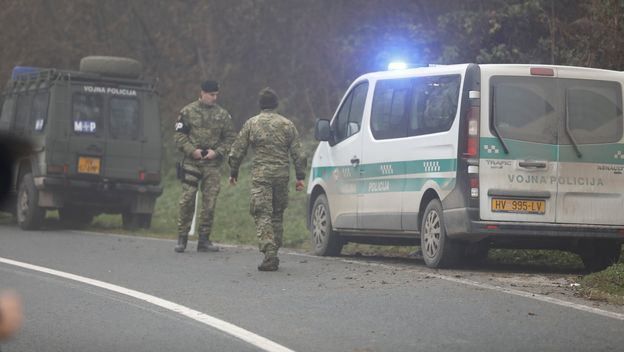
210	86
268	99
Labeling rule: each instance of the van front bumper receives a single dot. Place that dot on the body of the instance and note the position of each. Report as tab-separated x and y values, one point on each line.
463	223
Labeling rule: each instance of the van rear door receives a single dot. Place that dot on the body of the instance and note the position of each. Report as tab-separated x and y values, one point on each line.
518	165
124	147
591	169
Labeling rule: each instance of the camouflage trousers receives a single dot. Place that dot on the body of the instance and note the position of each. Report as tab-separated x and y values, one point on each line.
208	179
269	199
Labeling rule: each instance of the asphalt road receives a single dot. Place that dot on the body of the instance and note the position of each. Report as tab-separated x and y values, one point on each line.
310	304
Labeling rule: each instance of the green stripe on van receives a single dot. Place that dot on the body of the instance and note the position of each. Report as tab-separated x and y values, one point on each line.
386	177
609	153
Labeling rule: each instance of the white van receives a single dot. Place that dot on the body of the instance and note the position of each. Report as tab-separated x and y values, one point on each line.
464	157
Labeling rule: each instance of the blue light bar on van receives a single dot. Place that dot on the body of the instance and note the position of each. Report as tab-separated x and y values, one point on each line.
397	65
22	71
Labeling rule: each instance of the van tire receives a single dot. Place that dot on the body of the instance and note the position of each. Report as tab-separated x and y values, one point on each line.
325	241
112	66
598	255
29	214
135	221
439	251
75	218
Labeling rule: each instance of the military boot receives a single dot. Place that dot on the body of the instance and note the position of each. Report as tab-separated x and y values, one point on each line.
204	244
270	263
182	240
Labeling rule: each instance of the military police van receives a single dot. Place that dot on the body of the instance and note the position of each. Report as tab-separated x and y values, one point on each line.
96	139
461	158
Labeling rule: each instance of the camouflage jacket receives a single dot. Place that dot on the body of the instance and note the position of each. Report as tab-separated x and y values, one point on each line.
204	127
272	137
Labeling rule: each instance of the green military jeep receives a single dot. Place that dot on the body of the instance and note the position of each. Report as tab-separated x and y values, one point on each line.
96	142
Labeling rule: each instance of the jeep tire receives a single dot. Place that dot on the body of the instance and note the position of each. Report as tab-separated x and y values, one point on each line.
135	221
29	214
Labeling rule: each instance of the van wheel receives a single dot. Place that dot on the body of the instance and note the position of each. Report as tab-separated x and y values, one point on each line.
325	241
75	218
29	215
600	254
438	250
135	221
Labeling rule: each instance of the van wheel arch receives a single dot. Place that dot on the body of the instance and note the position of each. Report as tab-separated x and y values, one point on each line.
427	197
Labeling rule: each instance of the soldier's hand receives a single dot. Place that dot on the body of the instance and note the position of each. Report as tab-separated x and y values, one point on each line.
233	181
197	154
211	154
10	314
299	185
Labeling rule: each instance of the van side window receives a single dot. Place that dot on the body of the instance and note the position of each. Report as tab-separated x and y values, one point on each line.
39	113
21	112
390	107
524	108
594	110
348	121
86	113
434	104
124	118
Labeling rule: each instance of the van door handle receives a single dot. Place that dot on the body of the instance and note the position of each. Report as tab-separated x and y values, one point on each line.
355	161
533	164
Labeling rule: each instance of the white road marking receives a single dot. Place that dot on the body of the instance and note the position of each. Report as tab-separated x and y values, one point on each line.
228	328
535	296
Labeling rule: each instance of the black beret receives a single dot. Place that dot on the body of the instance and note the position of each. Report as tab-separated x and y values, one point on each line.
210	86
268	99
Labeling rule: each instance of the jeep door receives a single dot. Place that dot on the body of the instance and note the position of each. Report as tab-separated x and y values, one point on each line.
123	159
518	164
591	158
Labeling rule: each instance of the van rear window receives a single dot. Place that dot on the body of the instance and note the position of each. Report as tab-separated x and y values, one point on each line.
537	109
524	108
86	113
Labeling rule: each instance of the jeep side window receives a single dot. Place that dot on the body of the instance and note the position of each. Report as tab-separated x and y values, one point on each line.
434	104
594	110
390	107
21	113
349	119
6	116
39	113
124	118
86	113
523	108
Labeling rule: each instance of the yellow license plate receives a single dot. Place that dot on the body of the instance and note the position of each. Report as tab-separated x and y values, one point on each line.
89	165
520	206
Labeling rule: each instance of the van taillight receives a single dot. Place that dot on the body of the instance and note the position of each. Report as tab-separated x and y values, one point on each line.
472	146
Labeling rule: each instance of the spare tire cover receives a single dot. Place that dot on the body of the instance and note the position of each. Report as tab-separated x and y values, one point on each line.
112	66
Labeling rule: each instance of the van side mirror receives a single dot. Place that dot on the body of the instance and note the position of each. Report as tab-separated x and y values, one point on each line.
322	130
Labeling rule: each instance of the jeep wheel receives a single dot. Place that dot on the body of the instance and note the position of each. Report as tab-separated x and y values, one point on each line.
325	240
438	250
29	215
135	221
75	218
599	254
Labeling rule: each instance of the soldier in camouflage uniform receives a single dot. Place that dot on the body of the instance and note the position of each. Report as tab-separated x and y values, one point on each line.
204	133
273	138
